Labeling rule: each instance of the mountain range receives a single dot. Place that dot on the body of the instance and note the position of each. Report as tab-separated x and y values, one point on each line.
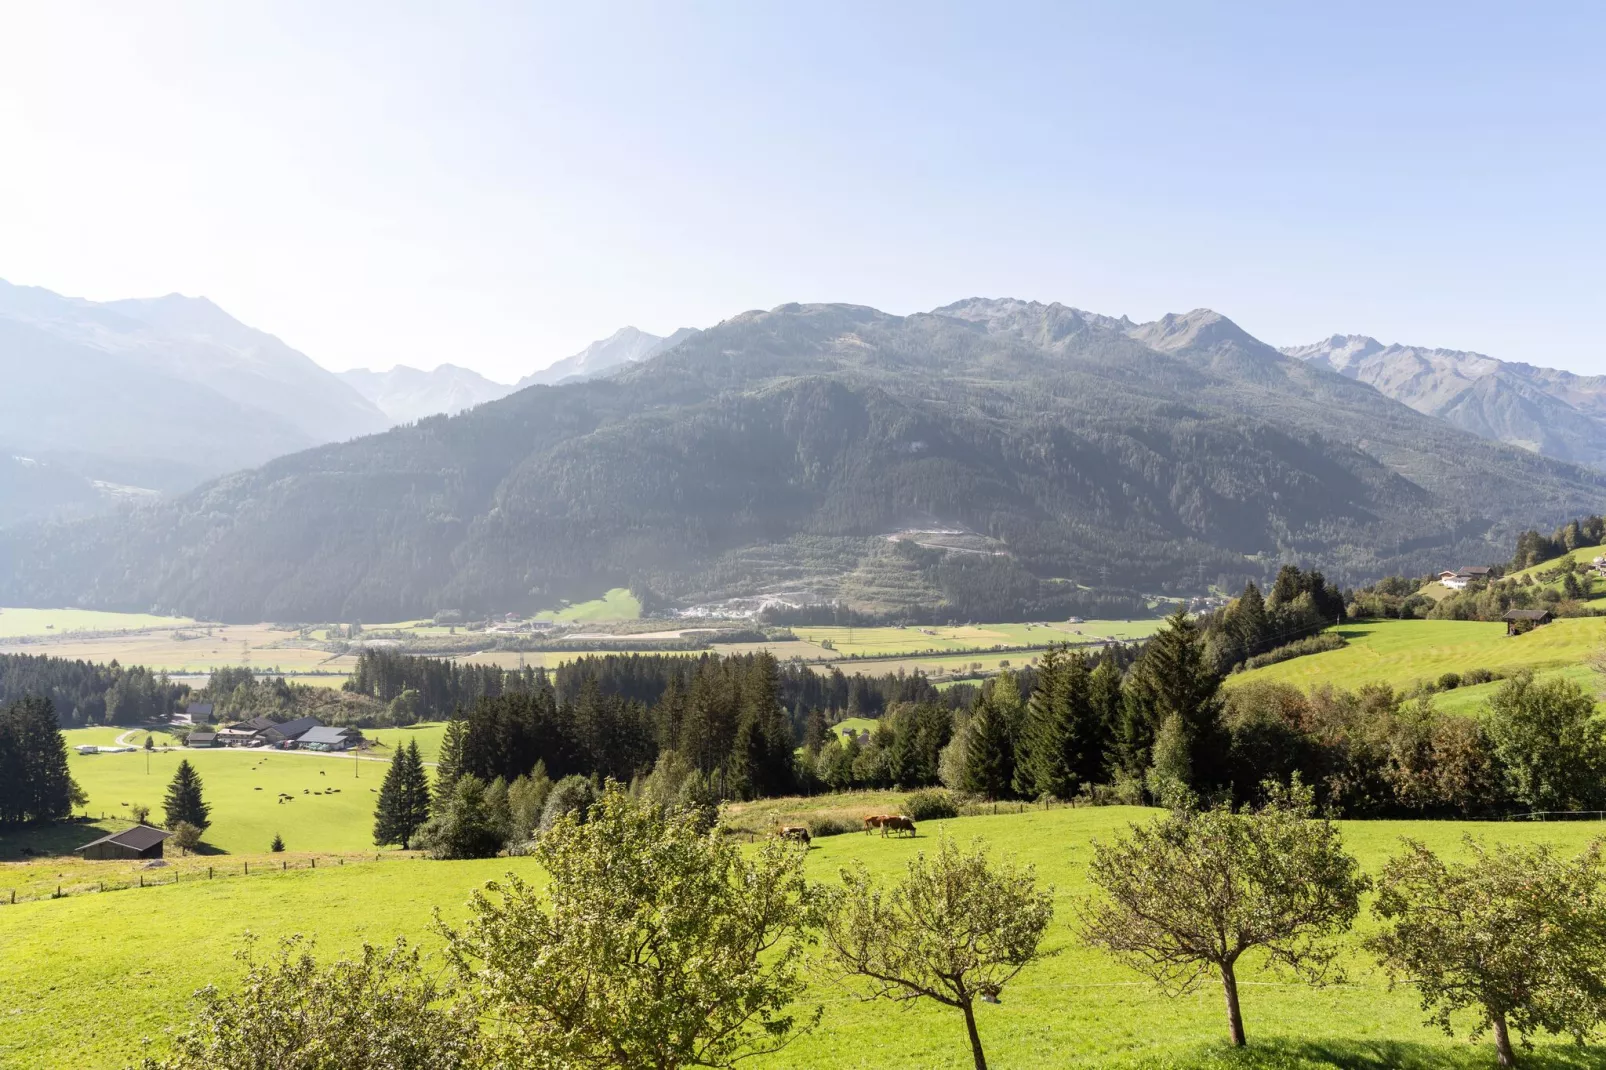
987	460
1556	413
112	402
104	400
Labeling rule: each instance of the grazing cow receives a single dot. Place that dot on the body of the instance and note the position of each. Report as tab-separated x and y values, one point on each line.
875	821
800	833
898	823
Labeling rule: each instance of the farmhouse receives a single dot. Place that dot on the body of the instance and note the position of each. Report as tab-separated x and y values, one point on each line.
327	739
202	739
1459	579
196	713
141	841
1519	621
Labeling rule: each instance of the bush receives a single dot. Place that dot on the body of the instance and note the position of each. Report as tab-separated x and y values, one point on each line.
571	795
1449	681
933	804
833	825
1479	676
1316	644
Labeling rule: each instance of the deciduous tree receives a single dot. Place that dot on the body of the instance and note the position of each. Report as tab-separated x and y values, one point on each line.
656	946
1192	893
1514	934
380	1011
956	929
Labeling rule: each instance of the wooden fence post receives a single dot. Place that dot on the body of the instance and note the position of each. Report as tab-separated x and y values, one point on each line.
142	880
208	872
284	866
314	863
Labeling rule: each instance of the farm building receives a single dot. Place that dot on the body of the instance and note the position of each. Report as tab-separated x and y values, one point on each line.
281	733
141	841
1459	579
196	713
1525	620
329	739
202	739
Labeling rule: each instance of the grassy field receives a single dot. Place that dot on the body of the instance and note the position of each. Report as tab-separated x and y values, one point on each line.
1407	652
15	623
80	969
200	649
617	604
333	795
882	642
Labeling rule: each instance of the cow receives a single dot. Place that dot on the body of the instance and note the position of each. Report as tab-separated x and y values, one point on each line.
875	821
800	833
897	823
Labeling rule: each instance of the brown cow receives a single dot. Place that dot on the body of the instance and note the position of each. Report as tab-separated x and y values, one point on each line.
898	823
800	833
873	821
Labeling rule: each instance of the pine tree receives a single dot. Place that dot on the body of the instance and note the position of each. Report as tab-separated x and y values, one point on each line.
34	782
403	799
1250	623
449	764
277	845
816	733
183	801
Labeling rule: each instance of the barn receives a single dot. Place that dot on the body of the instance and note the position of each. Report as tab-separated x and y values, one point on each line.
141	841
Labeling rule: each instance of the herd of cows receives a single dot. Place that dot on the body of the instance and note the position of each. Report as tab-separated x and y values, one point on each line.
885	822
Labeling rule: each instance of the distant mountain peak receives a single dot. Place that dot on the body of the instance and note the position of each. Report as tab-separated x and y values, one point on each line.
626	346
1201	328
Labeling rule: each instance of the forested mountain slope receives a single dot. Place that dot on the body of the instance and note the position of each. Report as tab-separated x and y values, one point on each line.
772	455
1553	412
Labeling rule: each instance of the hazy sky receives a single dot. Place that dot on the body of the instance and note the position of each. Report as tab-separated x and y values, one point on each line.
496	185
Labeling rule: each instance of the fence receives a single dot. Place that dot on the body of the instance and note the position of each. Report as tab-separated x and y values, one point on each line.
168	876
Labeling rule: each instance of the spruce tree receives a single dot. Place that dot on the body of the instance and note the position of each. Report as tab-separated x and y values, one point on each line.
449	764
183	801
34	782
403	799
989	751
1174	681
1064	739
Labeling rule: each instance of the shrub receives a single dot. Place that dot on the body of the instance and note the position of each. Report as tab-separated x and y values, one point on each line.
572	795
1449	681
933	804
1316	644
1478	676
832	825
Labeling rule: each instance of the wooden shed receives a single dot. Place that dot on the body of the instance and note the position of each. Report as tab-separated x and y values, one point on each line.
1524	620
141	841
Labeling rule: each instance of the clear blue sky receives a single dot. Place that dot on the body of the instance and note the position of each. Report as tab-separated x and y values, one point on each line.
496	185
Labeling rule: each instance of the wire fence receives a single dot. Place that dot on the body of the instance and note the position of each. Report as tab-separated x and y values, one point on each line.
168	876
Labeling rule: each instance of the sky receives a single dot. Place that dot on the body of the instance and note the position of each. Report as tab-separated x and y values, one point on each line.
496	185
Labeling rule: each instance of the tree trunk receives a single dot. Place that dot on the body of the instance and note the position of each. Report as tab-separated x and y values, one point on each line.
975	1037
1502	1042
1235	1018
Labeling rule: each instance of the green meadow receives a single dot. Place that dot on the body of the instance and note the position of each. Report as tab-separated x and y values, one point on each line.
1403	653
16	623
913	639
89	977
616	604
331	796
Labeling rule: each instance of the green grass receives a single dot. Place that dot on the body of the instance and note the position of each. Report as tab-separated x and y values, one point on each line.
89	976
243	817
854	725
888	641
617	604
1403	653
1583	555
15	623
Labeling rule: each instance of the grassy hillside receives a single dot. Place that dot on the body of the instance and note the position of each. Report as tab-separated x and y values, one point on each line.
81	969
1405	652
616	604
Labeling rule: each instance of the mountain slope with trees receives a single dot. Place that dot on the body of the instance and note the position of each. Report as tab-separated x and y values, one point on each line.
772	455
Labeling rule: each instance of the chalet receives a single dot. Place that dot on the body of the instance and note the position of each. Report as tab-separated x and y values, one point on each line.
329	739
141	841
202	739
1459	579
1519	621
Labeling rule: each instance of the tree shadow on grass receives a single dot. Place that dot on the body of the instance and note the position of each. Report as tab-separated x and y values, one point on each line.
1282	1053
53	839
